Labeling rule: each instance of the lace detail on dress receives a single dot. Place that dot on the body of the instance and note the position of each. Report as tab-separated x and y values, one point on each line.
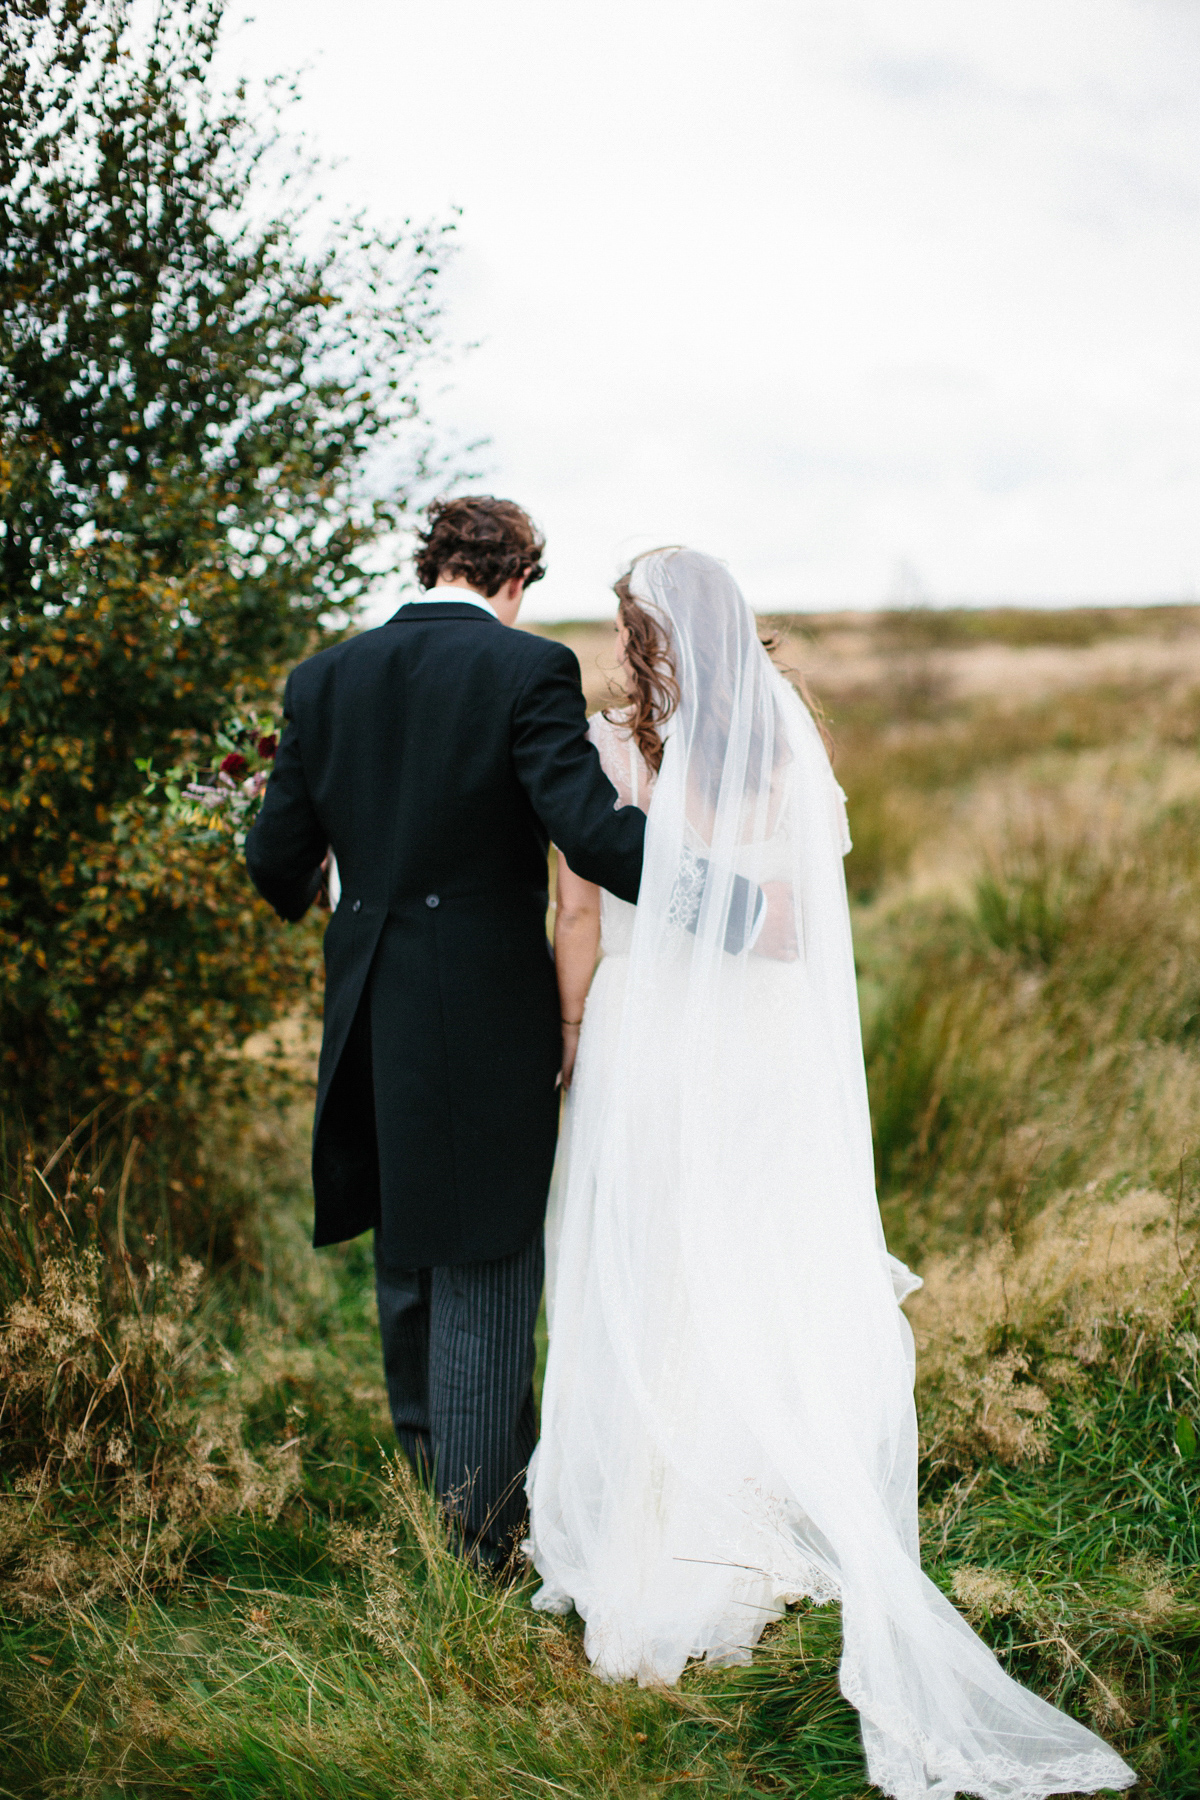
905	1763
843	822
688	891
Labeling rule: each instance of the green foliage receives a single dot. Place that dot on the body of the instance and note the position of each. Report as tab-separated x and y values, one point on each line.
189	402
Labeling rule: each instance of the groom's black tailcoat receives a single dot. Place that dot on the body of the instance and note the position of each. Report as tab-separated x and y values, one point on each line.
438	756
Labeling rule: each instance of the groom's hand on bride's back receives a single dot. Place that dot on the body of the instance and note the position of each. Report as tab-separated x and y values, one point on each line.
777	939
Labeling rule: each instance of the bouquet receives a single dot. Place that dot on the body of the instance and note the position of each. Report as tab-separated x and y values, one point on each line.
221	801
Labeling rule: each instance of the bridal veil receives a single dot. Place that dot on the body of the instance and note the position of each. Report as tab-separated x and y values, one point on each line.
728	1417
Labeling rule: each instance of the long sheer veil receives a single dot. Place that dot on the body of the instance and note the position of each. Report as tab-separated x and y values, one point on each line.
734	1252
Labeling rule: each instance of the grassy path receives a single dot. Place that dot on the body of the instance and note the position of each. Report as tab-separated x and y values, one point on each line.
339	1651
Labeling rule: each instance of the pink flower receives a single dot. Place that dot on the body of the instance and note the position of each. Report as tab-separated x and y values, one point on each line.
267	747
203	795
233	764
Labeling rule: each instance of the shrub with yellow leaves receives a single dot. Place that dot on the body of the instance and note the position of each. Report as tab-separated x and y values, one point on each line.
188	400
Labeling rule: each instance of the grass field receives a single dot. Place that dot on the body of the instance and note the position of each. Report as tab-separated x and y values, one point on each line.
215	1579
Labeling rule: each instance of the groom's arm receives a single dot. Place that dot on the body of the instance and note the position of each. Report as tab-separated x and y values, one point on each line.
559	767
286	846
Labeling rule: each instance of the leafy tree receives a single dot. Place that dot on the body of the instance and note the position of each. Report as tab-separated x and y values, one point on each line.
191	400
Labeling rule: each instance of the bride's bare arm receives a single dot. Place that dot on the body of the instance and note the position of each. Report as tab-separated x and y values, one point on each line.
576	944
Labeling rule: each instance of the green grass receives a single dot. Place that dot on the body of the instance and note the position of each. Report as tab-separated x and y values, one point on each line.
1100	1552
342	1650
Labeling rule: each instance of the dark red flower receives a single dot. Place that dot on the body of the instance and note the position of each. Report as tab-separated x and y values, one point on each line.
233	764
267	747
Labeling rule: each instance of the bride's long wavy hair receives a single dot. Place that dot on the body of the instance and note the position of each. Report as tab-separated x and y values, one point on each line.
651	678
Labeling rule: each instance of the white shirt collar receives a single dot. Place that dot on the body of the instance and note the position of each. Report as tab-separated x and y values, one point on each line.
458	596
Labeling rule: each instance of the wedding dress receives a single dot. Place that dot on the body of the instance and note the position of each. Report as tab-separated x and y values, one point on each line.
728	1419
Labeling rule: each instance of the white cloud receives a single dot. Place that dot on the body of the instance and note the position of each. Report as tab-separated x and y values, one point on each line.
826	288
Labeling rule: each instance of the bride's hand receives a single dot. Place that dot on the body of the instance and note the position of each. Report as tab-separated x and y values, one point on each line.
777	939
570	1045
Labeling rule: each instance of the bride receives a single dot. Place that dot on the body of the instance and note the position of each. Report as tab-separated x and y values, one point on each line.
728	1419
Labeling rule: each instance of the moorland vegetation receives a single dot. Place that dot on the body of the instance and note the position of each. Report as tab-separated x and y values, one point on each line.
218	1575
215	1576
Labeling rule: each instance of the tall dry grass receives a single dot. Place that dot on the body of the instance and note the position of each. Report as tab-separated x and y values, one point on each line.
122	1424
1059	1395
1043	1034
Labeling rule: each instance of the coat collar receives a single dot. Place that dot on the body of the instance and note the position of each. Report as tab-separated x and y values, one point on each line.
441	609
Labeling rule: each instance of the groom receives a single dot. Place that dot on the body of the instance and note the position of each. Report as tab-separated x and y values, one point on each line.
438	756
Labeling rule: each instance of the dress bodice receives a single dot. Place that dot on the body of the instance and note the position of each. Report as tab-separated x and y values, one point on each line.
627	769
635	781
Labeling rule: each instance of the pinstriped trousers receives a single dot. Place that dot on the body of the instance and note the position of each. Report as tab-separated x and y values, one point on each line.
458	1354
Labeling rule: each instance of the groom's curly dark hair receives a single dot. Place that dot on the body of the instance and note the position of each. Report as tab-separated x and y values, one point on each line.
484	540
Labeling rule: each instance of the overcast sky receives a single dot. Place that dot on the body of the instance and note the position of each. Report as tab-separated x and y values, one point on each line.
877	299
